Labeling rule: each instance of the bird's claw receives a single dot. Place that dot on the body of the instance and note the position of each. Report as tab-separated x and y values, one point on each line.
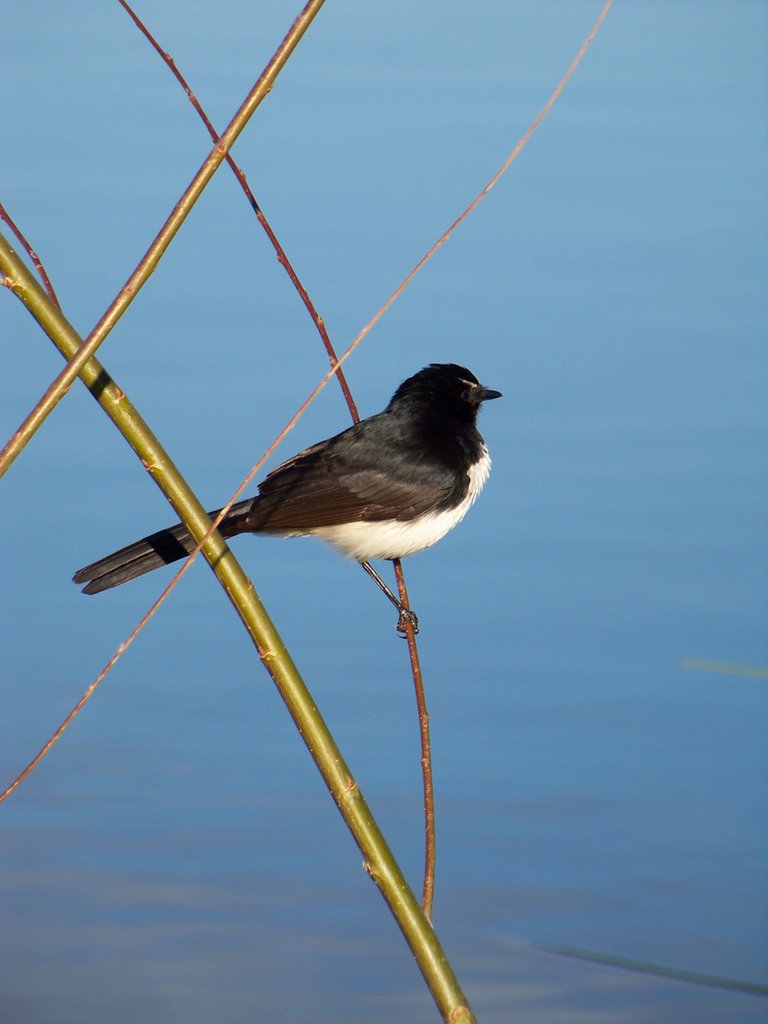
407	618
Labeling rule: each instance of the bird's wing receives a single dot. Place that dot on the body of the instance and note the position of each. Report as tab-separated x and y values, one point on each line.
333	482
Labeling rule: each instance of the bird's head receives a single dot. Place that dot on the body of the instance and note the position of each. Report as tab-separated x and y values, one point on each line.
443	387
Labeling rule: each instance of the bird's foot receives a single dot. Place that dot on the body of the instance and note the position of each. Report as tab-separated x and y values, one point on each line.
407	618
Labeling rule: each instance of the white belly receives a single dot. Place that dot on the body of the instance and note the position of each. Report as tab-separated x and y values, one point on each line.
394	539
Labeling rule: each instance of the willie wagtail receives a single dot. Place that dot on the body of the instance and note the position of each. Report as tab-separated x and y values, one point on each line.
387	487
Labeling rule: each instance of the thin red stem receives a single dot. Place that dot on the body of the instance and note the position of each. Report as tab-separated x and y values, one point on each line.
38	263
430	844
240	175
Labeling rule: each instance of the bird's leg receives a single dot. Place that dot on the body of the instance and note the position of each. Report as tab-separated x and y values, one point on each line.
406	615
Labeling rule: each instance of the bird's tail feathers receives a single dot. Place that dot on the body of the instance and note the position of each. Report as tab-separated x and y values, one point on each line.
161	548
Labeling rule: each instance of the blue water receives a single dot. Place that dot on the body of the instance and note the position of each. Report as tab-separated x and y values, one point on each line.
176	857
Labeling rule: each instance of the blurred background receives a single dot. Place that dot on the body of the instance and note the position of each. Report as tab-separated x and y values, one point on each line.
176	856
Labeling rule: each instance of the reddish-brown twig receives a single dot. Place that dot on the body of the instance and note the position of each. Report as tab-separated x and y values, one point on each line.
94	685
38	263
240	175
430	846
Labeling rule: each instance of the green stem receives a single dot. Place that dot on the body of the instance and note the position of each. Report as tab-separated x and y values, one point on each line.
77	360
378	858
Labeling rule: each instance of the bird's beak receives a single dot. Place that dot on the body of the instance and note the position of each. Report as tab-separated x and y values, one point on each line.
486	394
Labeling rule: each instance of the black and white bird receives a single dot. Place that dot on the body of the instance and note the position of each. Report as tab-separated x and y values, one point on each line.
387	487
